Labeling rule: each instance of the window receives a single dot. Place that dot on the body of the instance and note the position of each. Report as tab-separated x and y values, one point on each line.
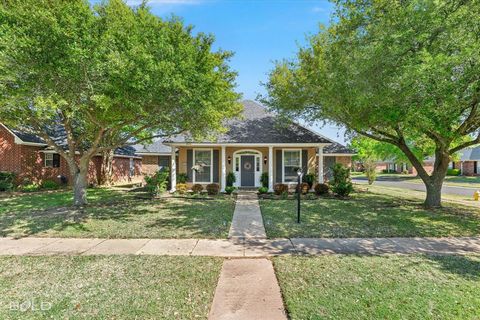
203	164
257	164
52	160
163	163
237	164
292	161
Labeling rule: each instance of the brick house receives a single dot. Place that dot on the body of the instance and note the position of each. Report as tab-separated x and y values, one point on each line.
469	163
255	143
30	158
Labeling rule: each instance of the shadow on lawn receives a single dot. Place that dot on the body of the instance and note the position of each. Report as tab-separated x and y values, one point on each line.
147	217
367	215
467	267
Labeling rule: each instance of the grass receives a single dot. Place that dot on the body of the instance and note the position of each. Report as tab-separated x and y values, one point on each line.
46	200
367	214
386	287
454	181
124	218
108	287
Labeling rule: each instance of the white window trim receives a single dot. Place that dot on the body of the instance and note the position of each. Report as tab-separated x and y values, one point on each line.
283	164
211	165
50	154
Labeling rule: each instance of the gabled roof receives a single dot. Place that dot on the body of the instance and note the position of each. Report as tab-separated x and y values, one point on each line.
156	148
59	136
470	154
257	125
337	148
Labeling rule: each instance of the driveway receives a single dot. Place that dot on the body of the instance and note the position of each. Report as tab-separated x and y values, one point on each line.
397	183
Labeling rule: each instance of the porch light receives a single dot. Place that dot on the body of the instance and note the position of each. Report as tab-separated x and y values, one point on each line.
265	160
229	159
299	173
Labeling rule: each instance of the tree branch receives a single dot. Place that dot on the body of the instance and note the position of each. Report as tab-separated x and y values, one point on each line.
465	145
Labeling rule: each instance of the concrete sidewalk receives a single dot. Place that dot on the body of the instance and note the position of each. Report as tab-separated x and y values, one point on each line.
247	219
238	247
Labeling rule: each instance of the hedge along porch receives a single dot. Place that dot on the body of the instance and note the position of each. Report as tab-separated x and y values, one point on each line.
256	142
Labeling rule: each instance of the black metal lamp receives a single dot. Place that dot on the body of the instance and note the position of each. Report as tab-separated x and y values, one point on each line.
299	181
265	160
229	159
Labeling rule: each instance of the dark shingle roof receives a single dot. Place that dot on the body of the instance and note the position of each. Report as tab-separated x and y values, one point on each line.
155	147
257	125
58	134
337	148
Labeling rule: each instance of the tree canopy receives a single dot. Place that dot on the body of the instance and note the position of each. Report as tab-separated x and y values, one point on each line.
107	75
394	71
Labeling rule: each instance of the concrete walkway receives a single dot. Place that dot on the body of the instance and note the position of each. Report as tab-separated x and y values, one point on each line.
247	289
247	219
238	247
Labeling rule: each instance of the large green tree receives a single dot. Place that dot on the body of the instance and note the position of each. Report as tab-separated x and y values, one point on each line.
105	76
394	71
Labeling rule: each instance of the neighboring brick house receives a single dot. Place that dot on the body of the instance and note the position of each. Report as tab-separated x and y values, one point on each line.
33	161
469	163
155	156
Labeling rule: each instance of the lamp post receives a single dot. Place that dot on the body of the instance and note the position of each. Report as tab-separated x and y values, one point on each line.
299	173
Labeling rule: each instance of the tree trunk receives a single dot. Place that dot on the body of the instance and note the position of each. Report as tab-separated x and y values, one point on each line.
80	184
434	194
106	172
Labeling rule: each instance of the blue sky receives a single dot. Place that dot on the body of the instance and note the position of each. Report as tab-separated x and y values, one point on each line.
257	31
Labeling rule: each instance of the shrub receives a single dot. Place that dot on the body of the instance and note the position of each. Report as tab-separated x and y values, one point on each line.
197	188
49	185
213	189
6	181
264	179
453	172
231	179
181	188
321	189
304	188
30	187
182	178
263	190
341	184
280	188
370	170
157	183
229	189
309	178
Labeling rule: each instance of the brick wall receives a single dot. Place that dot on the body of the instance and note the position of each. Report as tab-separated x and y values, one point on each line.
344	160
149	165
28	163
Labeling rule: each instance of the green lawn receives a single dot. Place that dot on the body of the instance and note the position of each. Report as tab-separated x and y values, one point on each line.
456	181
108	287
367	214
46	200
122	218
387	287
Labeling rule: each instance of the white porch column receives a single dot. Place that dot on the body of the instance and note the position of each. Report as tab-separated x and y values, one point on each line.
223	181
270	169
320	164
173	170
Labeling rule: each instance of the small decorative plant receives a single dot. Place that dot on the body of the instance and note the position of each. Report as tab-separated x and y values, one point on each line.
341	184
157	183
181	188
182	178
229	189
262	190
197	188
49	185
321	189
309	178
264	179
280	188
6	181
231	179
304	188
213	189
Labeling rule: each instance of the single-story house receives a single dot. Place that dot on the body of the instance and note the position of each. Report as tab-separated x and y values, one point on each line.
255	143
469	163
33	161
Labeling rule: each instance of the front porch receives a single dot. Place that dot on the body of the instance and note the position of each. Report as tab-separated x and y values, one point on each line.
211	164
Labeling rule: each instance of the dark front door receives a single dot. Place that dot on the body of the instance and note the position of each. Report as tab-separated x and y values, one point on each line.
248	171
